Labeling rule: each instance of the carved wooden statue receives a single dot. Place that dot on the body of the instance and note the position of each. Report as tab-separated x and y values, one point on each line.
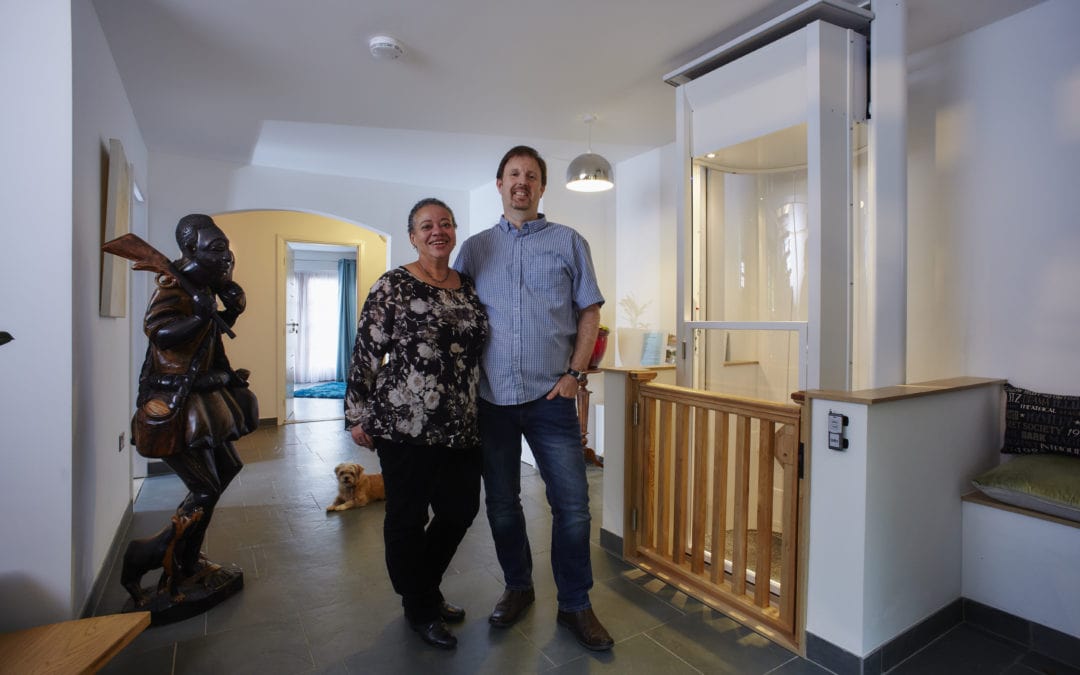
191	407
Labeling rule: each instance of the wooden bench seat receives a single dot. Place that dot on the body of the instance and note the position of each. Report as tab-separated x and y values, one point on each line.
80	646
977	497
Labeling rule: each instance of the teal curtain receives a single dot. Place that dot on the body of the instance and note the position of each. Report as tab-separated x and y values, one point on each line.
347	322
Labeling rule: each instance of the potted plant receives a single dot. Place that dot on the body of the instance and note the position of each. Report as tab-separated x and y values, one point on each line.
632	336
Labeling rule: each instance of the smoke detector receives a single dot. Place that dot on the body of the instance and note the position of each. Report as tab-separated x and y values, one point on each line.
385	48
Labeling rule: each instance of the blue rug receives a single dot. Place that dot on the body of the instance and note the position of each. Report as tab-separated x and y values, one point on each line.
324	390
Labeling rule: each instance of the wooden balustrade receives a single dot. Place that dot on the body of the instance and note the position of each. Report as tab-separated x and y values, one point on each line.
707	472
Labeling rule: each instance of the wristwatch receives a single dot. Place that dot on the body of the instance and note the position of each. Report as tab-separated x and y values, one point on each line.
576	374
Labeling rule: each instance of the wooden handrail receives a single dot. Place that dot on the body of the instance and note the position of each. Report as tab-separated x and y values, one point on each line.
786	413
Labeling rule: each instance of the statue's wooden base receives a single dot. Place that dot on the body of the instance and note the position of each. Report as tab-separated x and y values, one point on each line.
199	595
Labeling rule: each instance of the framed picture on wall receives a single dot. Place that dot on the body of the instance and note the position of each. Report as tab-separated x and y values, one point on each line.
114	270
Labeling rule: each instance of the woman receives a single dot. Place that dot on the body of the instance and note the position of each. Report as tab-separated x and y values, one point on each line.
418	411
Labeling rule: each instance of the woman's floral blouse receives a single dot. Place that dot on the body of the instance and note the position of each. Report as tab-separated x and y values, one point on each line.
425	391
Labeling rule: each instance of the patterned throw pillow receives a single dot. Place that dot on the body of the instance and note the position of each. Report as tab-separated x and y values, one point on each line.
1041	423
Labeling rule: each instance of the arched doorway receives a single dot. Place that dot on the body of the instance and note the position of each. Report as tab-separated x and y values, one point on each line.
261	240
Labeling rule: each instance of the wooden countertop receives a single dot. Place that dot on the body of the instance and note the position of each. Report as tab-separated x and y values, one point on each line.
902	391
80	646
630	369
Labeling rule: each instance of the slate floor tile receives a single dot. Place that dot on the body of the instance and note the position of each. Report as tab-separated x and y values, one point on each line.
279	647
964	649
639	655
714	643
157	661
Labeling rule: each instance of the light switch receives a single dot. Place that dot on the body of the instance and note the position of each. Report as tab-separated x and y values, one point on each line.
837	422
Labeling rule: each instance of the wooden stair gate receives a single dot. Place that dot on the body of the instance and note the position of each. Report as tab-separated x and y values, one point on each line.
709	480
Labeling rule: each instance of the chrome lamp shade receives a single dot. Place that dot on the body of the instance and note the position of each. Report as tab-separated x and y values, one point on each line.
589	173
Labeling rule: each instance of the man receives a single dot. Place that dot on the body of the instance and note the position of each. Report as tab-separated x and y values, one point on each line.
535	278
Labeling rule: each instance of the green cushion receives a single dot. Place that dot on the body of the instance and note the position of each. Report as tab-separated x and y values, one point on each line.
1045	483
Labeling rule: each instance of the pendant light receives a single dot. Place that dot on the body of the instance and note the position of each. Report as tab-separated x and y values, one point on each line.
589	172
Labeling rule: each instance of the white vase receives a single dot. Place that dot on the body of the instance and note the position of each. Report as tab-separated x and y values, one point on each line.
630	342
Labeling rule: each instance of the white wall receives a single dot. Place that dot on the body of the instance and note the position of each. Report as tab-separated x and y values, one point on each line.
645	236
485	207
182	185
923	454
36	369
885	514
101	409
994	135
994	142
836	565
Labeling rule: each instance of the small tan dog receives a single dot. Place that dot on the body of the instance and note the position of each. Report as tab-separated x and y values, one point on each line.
356	488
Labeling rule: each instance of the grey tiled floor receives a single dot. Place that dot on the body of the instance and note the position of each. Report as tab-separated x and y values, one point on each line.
316	596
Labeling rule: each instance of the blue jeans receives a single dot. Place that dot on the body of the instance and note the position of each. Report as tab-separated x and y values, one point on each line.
554	434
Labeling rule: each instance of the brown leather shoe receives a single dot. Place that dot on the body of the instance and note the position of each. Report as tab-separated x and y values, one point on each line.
510	607
587	629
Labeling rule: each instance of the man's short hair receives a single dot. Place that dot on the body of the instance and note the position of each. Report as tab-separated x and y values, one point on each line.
523	151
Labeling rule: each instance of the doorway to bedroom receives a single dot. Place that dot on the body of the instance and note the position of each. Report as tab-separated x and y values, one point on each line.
320	308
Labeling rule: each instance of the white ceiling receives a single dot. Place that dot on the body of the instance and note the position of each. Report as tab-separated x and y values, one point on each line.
291	84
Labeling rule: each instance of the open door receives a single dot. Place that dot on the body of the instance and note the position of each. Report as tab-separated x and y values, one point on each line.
315	316
292	331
